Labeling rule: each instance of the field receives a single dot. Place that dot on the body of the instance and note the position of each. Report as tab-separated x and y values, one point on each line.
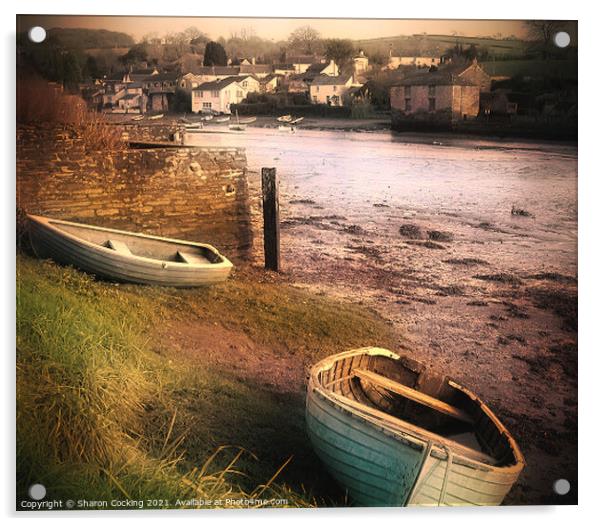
147	393
436	45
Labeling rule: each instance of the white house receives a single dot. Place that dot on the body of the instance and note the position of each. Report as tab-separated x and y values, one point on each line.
360	63
419	62
321	68
219	95
249	83
330	90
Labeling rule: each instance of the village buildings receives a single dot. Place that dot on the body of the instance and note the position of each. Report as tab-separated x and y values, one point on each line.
409	61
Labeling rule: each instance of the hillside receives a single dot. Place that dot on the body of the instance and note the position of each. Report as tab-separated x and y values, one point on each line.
435	45
79	38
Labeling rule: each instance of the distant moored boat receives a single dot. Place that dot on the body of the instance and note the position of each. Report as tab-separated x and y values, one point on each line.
394	433
127	257
138	118
155	117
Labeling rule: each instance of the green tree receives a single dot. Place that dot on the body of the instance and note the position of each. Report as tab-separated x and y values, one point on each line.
215	55
137	53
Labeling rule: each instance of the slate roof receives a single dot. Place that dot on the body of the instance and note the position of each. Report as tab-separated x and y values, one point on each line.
217	85
326	80
288	66
255	68
219	70
446	75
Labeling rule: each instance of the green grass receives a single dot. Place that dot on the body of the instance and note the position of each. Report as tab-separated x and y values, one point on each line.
104	412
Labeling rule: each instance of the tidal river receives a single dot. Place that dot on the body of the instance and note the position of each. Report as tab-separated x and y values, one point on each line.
467	246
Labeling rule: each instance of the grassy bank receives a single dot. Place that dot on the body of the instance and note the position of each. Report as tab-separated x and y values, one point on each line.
108	408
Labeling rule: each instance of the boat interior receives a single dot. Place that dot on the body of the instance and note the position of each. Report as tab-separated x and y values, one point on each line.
406	390
134	245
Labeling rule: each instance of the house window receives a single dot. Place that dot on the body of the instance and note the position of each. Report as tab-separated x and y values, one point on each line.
334	88
408	104
317	88
431	103
431	91
244	84
407	91
215	93
207	105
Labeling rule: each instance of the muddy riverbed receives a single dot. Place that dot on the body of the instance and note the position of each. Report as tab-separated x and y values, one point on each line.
467	246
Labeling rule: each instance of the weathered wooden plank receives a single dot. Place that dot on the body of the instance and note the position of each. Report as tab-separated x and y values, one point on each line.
413	395
271	219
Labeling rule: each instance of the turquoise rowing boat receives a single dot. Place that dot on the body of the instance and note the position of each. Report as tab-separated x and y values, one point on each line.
394	433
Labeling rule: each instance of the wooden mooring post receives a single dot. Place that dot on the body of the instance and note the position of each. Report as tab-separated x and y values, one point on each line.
271	219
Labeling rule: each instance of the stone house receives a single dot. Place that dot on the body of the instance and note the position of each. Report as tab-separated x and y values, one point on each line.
330	90
437	97
160	89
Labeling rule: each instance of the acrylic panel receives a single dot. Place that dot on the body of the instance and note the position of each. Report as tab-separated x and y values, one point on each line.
311	262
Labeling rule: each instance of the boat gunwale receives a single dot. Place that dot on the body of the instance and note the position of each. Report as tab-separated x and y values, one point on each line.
381	418
47	223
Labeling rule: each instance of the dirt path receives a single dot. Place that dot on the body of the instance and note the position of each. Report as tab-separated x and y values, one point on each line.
234	353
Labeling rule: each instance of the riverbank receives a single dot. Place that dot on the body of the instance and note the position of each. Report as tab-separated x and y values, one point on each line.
426	235
127	391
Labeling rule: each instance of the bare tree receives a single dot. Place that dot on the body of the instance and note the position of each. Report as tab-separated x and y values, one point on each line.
543	30
305	38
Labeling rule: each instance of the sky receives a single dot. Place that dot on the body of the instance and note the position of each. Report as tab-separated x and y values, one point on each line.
278	28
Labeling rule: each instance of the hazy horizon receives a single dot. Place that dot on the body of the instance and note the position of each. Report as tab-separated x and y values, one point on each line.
277	28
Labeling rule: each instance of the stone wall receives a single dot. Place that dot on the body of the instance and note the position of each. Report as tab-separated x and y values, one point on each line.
197	194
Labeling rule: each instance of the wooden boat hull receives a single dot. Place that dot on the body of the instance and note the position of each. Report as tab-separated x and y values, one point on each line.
382	460
50	241
375	468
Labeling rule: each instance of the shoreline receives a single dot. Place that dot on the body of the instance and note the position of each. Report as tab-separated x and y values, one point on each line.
371	125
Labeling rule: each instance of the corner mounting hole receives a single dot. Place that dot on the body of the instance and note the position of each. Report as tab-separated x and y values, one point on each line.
37	492
562	39
562	486
37	34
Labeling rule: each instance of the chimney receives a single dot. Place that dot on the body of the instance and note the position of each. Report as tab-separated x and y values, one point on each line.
253	61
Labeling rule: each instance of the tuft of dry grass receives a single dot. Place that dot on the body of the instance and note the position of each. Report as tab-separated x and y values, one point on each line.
41	102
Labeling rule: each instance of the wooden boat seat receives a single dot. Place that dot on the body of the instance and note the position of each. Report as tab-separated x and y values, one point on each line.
412	394
187	257
119	247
